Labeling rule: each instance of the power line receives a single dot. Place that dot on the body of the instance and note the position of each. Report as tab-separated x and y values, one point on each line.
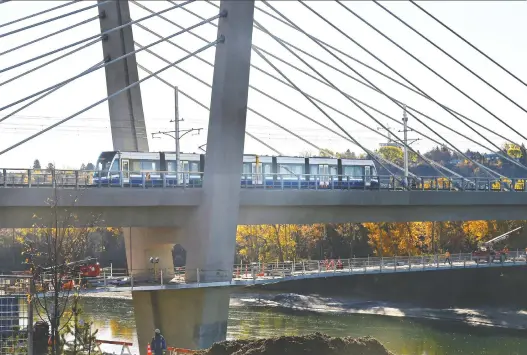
467	42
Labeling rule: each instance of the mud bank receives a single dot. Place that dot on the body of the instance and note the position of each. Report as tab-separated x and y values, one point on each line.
316	343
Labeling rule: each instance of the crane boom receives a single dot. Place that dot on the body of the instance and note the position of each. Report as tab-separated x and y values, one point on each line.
501	237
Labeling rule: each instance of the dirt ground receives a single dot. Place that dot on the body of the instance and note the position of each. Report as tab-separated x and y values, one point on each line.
315	344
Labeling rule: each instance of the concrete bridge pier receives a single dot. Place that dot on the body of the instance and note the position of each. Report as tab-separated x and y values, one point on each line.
188	318
143	243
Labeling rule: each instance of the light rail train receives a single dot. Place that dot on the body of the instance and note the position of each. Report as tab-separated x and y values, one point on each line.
138	168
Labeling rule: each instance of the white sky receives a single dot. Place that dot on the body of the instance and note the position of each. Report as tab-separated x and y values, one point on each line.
498	28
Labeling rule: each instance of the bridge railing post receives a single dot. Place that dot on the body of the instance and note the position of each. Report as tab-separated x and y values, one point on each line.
4	174
28	177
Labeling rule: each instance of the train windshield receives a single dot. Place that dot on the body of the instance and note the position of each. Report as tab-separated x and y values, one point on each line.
104	162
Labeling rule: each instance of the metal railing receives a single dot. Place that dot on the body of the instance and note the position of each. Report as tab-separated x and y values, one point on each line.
258	272
10	178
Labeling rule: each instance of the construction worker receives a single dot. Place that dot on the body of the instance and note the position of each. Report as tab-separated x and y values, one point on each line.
158	344
447	258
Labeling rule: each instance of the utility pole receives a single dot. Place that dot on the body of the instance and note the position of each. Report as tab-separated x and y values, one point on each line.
176	120
405	122
177	132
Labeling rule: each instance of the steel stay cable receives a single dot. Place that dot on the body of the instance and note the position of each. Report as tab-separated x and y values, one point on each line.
399	122
248	108
321	110
100	35
44	95
53	19
38	13
336	88
50	62
489	171
115	60
269	96
451	57
426	66
467	42
285	83
204	106
211	44
49	35
374	89
367	66
272	76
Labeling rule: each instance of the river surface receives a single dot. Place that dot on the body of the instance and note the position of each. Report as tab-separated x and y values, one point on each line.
403	329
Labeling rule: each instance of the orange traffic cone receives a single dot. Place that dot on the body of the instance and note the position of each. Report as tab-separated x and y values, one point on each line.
148	350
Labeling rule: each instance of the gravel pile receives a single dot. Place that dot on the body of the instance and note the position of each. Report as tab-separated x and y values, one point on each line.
315	344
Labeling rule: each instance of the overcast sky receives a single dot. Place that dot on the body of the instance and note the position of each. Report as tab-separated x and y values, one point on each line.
496	27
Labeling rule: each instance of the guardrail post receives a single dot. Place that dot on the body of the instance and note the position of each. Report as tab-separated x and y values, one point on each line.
437	261
319	271
76	179
163	176
104	277
409	263
303	268
161	276
28	177
4	173
367	264
394	263
121	180
143	180
197	275
53	178
132	281
423	261
299	183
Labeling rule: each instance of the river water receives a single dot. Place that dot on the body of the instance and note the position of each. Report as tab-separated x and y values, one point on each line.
403	329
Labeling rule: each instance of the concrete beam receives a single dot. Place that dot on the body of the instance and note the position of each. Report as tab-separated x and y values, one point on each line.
127	119
213	231
174	207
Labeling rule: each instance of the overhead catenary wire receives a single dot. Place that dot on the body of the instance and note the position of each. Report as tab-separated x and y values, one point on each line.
486	169
452	57
51	19
114	60
468	42
44	95
211	44
335	87
199	103
429	68
260	91
100	35
367	66
49	35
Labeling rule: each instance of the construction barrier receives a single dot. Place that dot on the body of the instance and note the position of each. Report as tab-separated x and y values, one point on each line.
125	346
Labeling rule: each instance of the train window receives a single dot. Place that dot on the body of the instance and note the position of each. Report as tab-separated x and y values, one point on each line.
247	168
313	169
171	166
355	171
194	167
267	168
291	170
148	165
333	171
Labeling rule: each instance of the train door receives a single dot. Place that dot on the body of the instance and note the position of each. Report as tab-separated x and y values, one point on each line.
184	176
367	175
257	173
125	168
323	171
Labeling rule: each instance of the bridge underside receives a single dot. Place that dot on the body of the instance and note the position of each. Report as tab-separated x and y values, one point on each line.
173	208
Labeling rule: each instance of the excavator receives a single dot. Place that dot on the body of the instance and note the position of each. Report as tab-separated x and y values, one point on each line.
486	250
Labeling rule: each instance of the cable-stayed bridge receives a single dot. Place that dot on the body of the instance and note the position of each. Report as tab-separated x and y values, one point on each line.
278	70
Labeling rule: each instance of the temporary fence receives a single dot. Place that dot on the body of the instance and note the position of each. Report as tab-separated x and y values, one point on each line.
16	313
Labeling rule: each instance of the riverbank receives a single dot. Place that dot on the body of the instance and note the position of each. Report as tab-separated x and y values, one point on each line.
319	344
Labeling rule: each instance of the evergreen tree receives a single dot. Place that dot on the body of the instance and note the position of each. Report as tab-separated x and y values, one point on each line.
90	167
36	164
77	336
